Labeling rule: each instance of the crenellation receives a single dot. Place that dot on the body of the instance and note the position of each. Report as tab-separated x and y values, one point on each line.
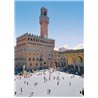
37	47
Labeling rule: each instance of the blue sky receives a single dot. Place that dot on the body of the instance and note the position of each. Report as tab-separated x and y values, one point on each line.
66	20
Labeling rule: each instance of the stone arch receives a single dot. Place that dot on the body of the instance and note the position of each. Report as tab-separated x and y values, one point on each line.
70	60
78	60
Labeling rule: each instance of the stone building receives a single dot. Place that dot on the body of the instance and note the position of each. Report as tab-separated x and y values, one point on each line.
35	51
74	60
73	57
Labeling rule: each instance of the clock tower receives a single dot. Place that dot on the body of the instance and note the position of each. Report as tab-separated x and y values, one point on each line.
44	21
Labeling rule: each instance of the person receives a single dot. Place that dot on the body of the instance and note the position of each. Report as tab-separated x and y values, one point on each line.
31	94
57	83
49	78
58	78
48	91
24	82
21	90
35	83
80	92
15	92
70	84
27	83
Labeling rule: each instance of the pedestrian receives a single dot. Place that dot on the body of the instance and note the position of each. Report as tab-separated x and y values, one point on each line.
24	82
31	94
21	90
35	83
70	84
57	83
48	91
27	83
49	78
15	92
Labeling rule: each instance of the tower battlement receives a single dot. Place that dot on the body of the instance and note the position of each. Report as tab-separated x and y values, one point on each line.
28	37
44	21
35	51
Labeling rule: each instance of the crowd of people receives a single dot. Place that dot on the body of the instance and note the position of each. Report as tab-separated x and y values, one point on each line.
78	70
45	80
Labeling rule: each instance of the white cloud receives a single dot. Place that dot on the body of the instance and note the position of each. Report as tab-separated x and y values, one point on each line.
79	46
56	48
66	47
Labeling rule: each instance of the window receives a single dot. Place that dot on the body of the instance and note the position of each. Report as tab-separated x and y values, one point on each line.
28	38
36	59
44	62
36	64
24	49
29	59
30	64
33	59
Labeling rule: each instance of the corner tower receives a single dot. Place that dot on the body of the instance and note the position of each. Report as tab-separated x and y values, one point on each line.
44	21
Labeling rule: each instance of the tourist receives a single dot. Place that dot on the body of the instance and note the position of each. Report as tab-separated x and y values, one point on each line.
15	93
35	83
49	78
57	83
21	90
48	91
31	94
70	84
27	83
24	82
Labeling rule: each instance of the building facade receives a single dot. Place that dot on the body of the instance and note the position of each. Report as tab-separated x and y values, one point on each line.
35	51
73	57
73	61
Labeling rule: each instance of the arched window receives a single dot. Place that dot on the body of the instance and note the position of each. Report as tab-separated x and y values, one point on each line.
28	38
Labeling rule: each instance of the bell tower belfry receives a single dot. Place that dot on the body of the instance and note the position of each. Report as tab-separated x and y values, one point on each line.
44	21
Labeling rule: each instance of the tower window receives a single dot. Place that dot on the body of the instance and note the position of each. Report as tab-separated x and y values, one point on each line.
45	13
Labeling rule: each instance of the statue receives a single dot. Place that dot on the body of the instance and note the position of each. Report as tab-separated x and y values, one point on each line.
23	68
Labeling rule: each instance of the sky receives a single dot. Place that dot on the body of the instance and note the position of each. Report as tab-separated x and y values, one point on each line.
66	20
